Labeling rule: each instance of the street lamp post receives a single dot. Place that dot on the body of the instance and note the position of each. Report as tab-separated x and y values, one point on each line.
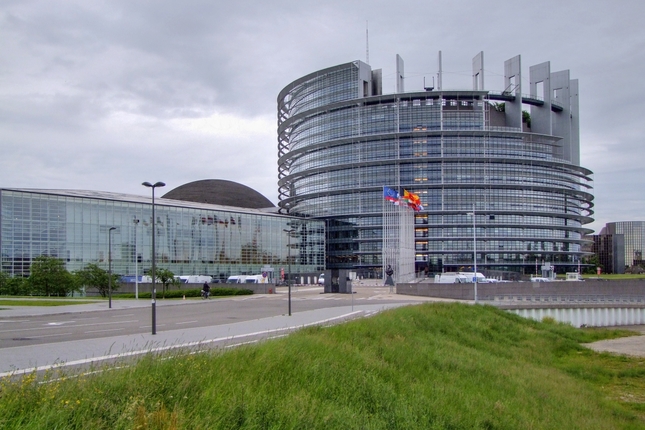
110	266
136	261
289	232
474	249
154	254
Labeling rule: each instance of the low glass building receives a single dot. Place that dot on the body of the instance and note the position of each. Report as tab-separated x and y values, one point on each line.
499	170
192	238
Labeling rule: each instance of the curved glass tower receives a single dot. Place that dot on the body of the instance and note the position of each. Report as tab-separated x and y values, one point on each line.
475	158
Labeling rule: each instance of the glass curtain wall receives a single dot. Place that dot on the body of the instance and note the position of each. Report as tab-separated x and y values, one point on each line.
189	241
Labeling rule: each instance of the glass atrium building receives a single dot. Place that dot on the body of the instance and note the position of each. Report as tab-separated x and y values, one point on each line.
192	238
499	170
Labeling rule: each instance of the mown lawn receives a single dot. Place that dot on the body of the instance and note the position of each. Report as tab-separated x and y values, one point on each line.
43	302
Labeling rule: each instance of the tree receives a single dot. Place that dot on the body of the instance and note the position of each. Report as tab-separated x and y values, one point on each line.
591	263
166	278
4	284
526	117
12	285
17	286
94	277
48	276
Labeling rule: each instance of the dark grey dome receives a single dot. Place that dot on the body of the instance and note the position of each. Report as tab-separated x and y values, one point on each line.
220	192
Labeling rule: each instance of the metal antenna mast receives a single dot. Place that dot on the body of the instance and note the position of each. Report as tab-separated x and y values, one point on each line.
367	42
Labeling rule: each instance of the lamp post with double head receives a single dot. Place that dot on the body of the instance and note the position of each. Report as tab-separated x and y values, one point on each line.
110	266
289	232
154	254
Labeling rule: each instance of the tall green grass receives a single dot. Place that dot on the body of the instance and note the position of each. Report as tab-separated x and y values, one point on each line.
432	366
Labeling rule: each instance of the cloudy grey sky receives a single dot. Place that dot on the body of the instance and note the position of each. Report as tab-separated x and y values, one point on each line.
104	95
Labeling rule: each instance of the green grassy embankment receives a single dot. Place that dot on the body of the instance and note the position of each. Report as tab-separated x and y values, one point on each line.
431	366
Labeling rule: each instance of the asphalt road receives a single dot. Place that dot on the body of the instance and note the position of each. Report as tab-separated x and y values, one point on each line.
40	338
128	318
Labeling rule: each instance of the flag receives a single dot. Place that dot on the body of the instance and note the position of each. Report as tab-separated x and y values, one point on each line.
412	200
390	195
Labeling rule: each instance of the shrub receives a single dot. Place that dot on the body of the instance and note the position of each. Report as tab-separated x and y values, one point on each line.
177	294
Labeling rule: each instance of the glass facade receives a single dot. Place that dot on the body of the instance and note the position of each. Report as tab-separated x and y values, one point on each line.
192	238
634	237
339	145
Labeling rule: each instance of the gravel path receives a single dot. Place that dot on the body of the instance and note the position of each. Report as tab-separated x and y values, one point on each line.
633	345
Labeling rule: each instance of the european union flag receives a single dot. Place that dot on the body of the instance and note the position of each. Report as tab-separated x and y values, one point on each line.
390	195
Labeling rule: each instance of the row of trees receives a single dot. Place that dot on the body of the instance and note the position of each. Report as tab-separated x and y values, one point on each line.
49	277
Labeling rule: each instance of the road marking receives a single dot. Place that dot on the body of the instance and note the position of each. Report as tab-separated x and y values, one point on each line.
50	326
101	331
170	347
186	322
51	335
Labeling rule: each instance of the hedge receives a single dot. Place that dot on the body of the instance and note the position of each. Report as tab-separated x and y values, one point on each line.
178	294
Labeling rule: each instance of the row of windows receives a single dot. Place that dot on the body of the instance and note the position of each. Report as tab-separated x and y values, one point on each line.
484	232
361	202
433	174
484	247
353	122
382	118
390	150
323	89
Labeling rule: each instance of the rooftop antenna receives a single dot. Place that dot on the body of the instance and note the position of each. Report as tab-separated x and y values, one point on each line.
428	88
440	74
367	42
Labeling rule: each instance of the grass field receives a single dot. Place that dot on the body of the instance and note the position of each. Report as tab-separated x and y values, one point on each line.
622	276
430	366
609	276
43	302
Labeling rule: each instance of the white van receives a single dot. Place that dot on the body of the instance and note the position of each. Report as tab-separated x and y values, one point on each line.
255	279
195	279
236	279
450	278
459	278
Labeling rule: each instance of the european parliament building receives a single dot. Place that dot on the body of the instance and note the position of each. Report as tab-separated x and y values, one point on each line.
498	172
197	232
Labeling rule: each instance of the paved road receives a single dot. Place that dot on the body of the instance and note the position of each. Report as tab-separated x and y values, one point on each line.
41	338
128	317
